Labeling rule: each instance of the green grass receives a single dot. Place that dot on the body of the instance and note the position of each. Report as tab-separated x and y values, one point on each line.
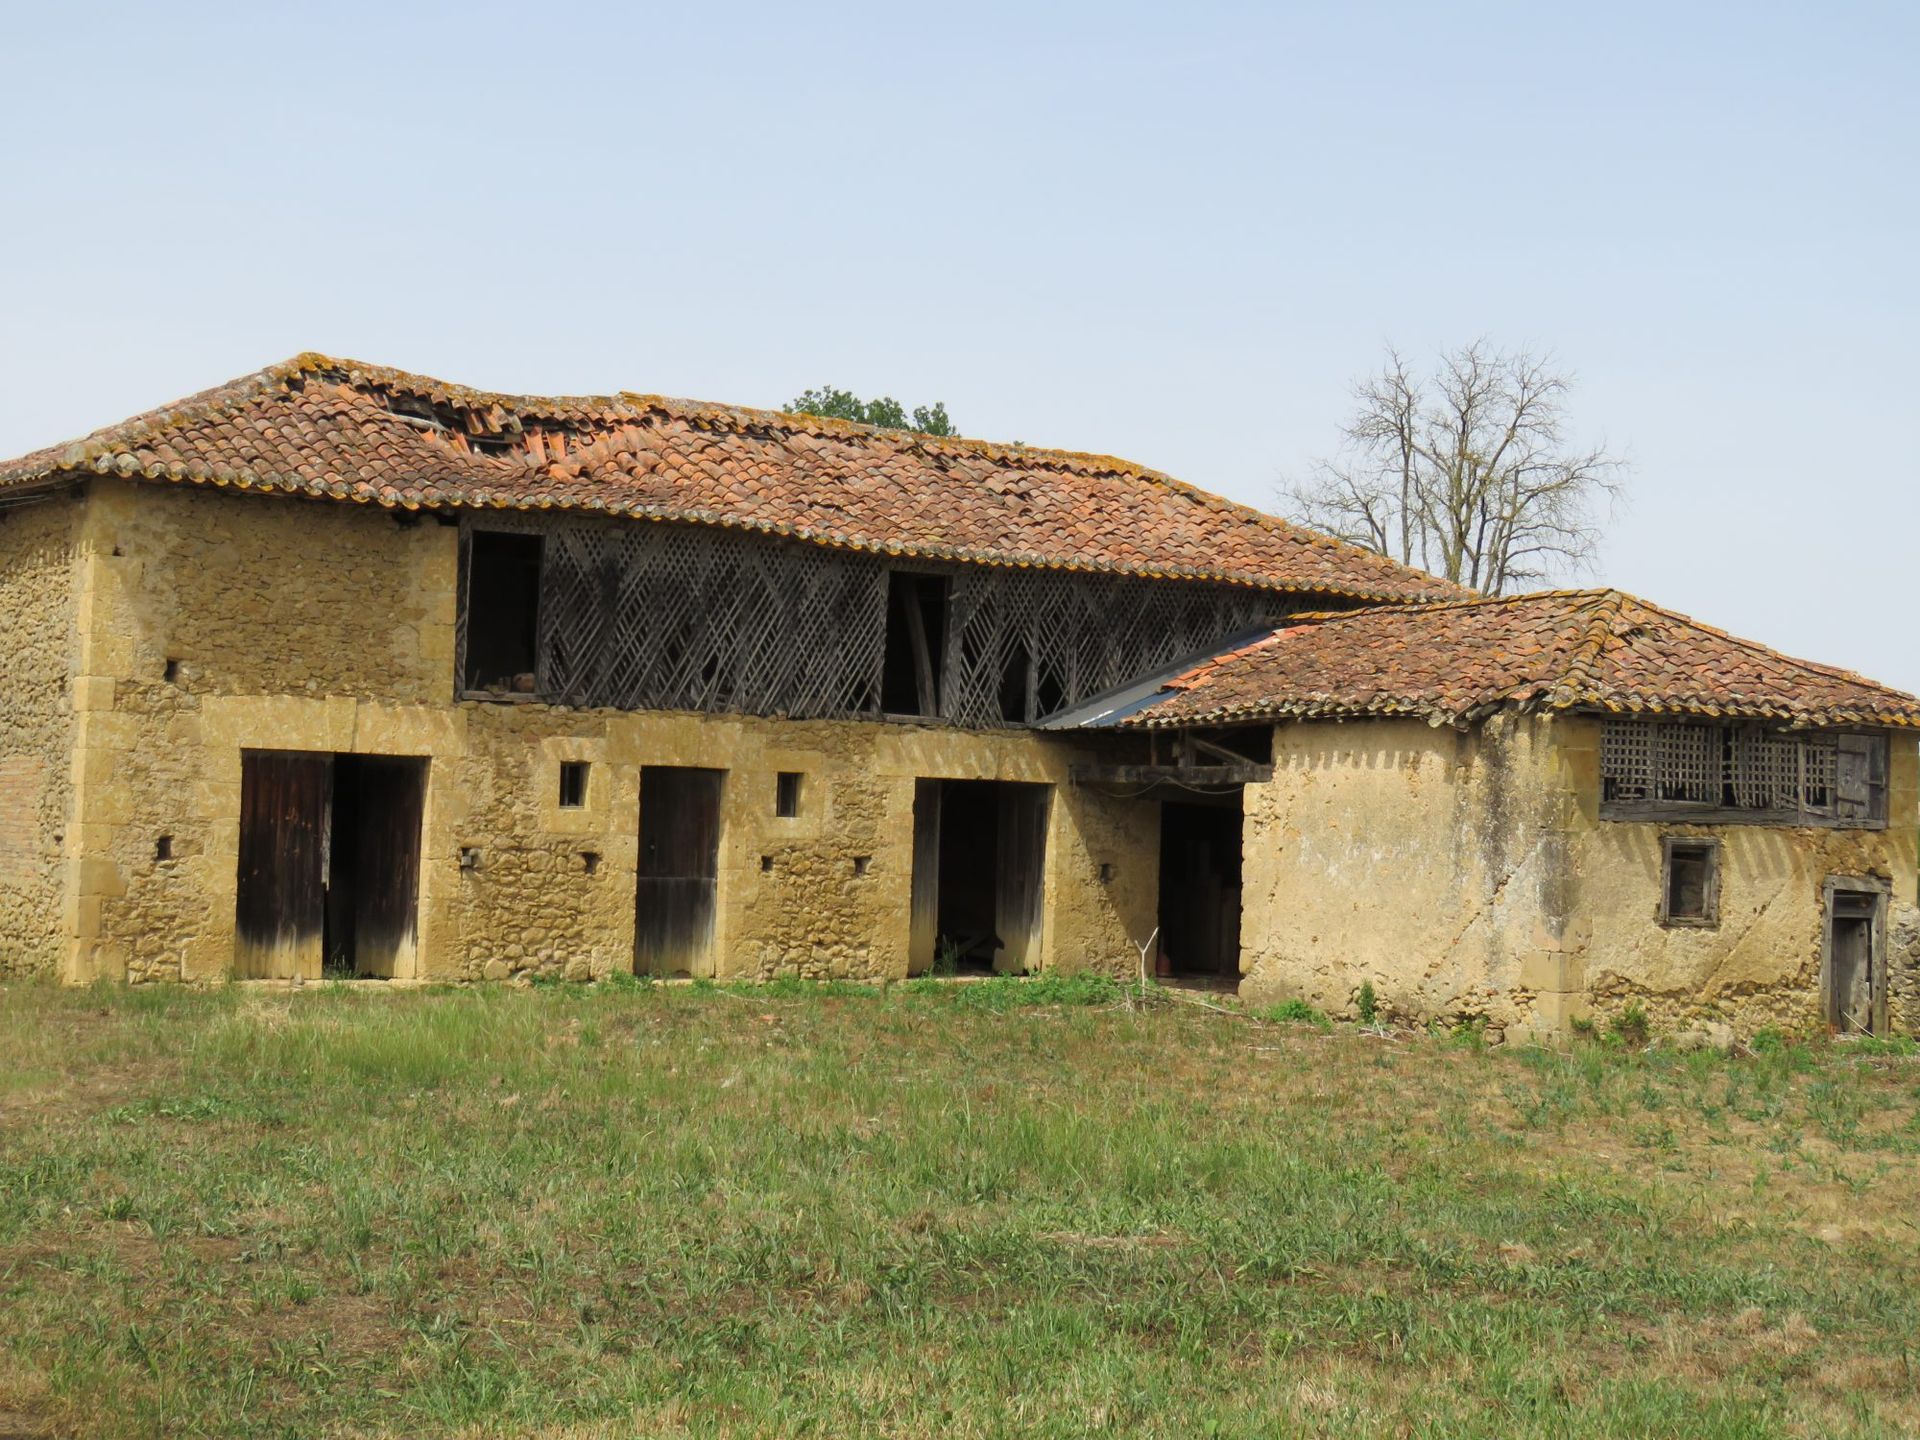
954	1210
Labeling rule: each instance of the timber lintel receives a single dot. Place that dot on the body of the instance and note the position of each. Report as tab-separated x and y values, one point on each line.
1242	774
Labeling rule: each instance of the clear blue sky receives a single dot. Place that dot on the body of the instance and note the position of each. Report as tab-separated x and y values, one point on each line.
1173	233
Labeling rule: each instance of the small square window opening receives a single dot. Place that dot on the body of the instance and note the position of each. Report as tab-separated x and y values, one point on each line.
573	784
1690	891
786	794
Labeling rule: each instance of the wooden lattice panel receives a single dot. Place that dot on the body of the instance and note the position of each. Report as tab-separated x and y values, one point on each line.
1691	763
675	617
1055	640
1745	772
1818	757
1626	760
680	617
1766	771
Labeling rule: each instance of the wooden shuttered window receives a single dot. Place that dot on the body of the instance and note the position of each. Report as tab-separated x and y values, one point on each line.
1860	779
1741	774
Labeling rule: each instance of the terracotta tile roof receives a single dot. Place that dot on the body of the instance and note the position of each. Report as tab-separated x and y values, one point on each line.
1557	650
348	431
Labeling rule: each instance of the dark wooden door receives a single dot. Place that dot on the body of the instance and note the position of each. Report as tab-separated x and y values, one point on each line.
679	868
1852	985
923	936
280	899
1020	882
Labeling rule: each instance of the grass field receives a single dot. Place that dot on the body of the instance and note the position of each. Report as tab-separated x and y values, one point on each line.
943	1211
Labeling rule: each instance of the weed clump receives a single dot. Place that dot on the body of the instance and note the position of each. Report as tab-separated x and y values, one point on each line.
1901	1047
1470	1033
1294	1012
1367	1004
1631	1027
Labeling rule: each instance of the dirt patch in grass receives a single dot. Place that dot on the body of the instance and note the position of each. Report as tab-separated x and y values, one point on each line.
23	1404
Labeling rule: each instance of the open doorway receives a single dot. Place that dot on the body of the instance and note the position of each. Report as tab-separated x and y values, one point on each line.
329	865
373	865
1854	988
1200	887
979	863
679	881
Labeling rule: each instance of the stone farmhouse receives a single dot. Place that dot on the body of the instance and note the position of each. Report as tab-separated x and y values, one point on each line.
337	670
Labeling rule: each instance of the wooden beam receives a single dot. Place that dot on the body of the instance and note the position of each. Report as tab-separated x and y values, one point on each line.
922	656
1221	752
1245	773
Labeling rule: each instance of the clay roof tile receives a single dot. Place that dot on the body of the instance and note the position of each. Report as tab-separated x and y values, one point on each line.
343	429
1555	650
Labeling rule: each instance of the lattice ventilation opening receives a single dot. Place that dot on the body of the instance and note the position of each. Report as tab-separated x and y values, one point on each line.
683	617
1743	769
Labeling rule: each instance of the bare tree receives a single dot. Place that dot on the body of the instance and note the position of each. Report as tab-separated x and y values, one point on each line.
1466	472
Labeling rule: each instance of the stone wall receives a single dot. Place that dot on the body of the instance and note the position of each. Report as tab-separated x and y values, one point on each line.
821	895
219	623
1468	875
192	597
37	643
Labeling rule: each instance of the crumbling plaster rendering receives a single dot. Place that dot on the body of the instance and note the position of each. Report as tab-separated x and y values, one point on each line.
1467	874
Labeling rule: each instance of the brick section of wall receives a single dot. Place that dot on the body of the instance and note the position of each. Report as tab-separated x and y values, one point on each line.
23	781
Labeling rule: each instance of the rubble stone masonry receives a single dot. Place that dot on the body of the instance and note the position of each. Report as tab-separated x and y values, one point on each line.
215	623
38	639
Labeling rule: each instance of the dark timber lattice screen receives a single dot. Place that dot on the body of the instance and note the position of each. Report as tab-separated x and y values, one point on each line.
1653	769
1030	642
657	616
677	618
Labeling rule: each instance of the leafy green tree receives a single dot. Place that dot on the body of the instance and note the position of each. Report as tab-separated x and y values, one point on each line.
838	404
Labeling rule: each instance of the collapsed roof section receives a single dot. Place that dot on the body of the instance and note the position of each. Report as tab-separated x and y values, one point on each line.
341	430
1454	663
